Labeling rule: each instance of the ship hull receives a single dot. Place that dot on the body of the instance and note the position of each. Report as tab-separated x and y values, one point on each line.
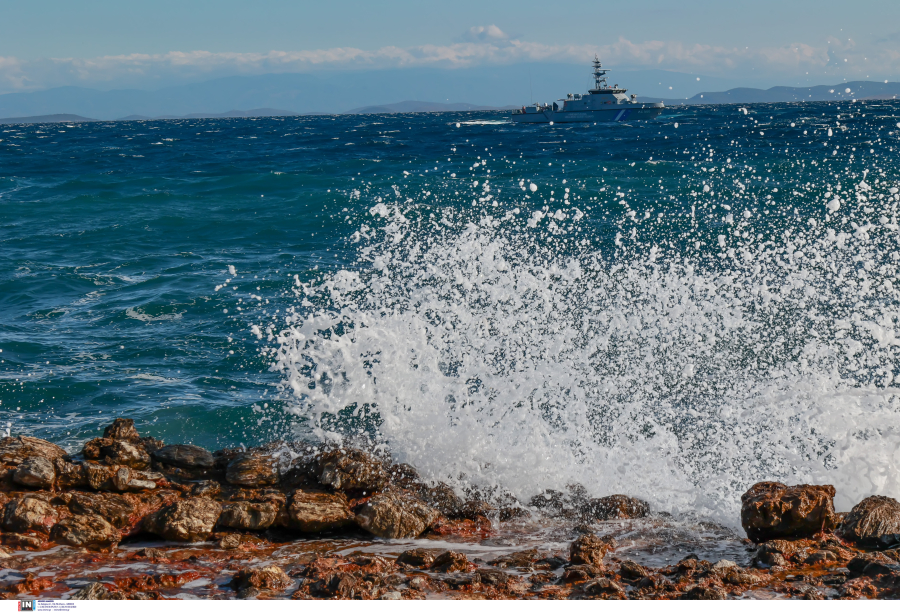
635	112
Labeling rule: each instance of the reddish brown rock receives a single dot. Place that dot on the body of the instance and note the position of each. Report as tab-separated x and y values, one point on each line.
602	585
419	557
394	514
521	559
188	520
185	456
37	472
352	470
271	578
69	475
87	531
247	515
874	522
771	510
14	451
122	452
119	511
616	507
451	561
317	511
122	429
590	550
252	470
29	514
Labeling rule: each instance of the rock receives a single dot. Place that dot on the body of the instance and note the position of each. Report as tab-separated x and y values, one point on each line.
521	559
771	510
392	596
87	531
316	511
247	515
352	470
252	470
616	507
189	520
122	429
590	549
271	578
121	452
580	573
461	580
345	586
419	557
705	592
394	514
599	586
29	514
36	472
207	488
185	456
874	522
118	511
723	564
858	566
18	541
93	591
69	475
14	451
230	541
418	583
632	571
821	557
450	561
491	576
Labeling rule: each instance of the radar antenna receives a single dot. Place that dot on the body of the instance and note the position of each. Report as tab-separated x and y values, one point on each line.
600	75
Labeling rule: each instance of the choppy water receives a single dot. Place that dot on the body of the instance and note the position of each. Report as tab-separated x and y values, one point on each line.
673	309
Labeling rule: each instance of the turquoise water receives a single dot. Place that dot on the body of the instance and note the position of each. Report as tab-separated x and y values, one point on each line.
689	317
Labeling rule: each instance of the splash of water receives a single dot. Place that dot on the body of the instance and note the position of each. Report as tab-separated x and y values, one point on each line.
659	356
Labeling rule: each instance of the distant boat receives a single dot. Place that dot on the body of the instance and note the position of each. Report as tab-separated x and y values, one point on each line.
602	103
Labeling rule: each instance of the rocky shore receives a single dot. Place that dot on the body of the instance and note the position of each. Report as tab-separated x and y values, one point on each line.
130	517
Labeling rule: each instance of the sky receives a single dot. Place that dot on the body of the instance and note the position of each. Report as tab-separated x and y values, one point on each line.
111	44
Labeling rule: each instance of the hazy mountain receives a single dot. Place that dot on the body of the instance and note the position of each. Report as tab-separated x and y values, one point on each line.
62	118
855	90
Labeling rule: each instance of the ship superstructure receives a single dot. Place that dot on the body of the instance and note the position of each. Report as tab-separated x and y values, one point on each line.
602	103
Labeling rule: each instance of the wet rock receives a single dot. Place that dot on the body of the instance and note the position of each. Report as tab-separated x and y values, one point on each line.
492	576
392	596
36	472
271	578
230	541
86	531
521	559
115	509
590	549
462	580
599	586
247	515
207	488
580	573
874	522
442	498
705	592
771	510
776	553
190	520
450	561
821	557
616	507
632	571
121	452
29	514
19	541
419	557
395	515
185	456
859	565
316	511
93	591
252	470
69	475
344	586
122	429
14	451
352	470
418	583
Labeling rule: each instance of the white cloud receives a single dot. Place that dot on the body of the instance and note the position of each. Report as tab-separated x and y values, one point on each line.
480	45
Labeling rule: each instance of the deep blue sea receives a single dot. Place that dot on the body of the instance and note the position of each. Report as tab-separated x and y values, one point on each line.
673	309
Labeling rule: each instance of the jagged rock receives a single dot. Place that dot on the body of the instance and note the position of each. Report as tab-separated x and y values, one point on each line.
874	522
185	456
247	515
69	475
419	557
117	478
115	509
632	571
88	531
29	514
230	541
252	470
395	515
601	585
14	451
774	553
450	561
271	578
37	472
316	511
771	510
189	520
491	576
616	507
207	488
705	592
19	541
858	566
522	558
580	573
345	586
121	452
352	470
590	549
122	429
93	591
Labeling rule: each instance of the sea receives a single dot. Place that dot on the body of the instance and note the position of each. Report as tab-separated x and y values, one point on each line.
672	309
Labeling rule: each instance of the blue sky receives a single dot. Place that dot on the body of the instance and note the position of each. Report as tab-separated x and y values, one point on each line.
106	44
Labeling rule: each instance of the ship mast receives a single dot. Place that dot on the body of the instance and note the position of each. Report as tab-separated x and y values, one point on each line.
600	75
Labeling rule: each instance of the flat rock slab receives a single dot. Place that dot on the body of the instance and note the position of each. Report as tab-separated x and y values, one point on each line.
185	456
317	511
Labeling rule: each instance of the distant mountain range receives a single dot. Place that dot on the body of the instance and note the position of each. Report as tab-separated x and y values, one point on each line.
373	92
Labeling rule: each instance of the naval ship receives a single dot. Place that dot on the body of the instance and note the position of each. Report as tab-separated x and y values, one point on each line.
602	103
